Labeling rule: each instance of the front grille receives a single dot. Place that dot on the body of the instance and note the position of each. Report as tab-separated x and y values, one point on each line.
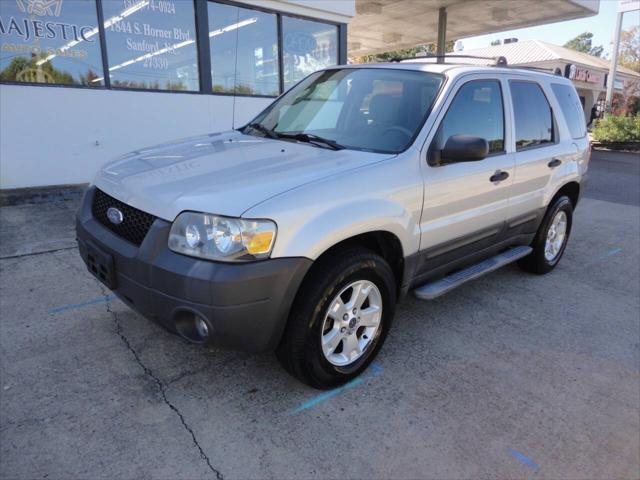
135	223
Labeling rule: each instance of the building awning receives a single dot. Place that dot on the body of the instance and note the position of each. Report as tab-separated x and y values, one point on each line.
384	25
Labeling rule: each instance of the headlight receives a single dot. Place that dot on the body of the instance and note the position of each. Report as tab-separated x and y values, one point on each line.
221	238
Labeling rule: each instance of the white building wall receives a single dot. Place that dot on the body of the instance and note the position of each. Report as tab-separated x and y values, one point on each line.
56	135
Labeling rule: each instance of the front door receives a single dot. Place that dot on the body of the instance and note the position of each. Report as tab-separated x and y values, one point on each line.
466	203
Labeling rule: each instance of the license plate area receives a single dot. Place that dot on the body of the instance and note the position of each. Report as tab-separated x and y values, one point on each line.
100	265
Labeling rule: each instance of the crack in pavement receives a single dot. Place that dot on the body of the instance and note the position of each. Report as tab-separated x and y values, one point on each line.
161	388
31	254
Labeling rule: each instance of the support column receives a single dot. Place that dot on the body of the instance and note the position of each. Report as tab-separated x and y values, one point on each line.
611	78
442	34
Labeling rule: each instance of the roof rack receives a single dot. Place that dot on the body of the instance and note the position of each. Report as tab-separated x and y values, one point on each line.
497	61
550	71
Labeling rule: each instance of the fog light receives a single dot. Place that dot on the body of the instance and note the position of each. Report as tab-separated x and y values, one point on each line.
192	326
202	328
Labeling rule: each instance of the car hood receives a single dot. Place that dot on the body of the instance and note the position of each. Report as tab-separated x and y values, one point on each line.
224	173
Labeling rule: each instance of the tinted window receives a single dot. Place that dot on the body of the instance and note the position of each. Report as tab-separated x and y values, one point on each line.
54	42
365	109
533	118
476	110
151	44
244	50
571	108
307	46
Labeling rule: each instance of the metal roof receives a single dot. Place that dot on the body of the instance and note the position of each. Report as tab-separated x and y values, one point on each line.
537	51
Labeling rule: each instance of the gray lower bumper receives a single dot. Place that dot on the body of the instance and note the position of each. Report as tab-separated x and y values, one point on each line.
246	304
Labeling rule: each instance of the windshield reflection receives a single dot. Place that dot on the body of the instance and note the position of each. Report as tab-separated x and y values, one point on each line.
372	109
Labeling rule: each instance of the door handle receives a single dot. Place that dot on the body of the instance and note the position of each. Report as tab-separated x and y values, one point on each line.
556	162
499	176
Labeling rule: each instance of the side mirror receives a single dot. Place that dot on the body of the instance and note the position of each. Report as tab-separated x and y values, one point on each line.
461	148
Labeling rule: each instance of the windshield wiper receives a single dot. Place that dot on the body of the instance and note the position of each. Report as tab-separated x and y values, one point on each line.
262	129
312	138
299	136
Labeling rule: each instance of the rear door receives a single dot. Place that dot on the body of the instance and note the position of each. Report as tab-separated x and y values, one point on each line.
465	207
539	153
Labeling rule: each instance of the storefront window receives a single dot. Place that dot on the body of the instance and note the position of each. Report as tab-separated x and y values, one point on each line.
244	50
307	46
151	44
51	42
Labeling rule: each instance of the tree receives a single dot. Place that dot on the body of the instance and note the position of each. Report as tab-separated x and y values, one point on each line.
597	51
22	69
583	43
629	53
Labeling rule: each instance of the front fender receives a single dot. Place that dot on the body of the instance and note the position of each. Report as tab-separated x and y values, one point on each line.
323	229
385	196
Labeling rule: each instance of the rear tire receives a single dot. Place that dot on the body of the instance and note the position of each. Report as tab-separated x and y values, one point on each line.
551	239
326	349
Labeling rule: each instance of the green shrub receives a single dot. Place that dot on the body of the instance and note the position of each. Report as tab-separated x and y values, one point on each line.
617	129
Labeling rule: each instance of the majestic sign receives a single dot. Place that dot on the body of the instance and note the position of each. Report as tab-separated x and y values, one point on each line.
29	28
40	7
50	41
581	74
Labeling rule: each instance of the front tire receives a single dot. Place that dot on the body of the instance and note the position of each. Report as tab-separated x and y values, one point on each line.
551	239
340	318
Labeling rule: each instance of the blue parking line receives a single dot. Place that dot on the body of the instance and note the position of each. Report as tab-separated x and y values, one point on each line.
73	306
609	253
374	371
523	459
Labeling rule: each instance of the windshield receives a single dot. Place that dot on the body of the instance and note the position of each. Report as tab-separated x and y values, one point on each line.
371	109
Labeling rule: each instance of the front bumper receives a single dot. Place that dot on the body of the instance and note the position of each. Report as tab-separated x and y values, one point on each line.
245	304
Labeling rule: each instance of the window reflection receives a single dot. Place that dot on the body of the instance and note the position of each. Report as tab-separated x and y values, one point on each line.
244	50
51	42
151	44
307	46
372	109
572	109
532	115
476	110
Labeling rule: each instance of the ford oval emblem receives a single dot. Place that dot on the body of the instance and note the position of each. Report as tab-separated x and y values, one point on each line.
115	216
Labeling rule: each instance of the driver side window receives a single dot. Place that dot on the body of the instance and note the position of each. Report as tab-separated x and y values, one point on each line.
476	110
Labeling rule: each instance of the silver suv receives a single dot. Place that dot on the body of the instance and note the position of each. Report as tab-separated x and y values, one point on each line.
300	231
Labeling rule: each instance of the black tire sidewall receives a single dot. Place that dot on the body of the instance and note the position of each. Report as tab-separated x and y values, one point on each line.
373	269
561	204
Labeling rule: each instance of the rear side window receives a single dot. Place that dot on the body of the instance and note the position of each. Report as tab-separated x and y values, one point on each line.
476	110
533	117
571	108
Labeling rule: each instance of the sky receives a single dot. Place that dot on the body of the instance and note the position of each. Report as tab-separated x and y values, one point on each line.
602	26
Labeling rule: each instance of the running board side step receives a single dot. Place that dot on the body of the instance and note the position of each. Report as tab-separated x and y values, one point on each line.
434	289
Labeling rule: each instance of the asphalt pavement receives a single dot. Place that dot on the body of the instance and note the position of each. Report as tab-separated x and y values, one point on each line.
510	376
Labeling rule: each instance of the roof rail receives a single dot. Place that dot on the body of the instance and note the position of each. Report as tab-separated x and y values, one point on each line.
497	61
550	71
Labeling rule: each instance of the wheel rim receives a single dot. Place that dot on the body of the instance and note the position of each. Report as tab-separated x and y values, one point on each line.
351	323
556	236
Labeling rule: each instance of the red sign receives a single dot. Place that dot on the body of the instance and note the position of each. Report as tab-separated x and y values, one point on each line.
582	74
